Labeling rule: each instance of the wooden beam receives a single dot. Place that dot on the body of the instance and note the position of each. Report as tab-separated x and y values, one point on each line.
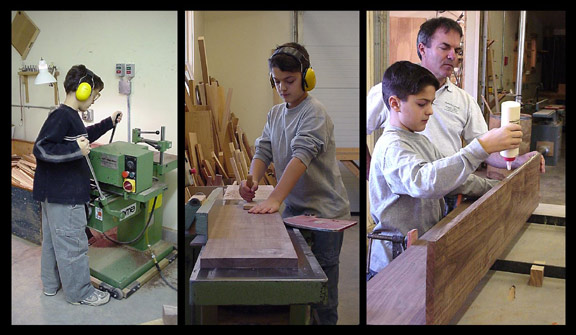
430	281
461	251
397	294
347	154
203	60
219	165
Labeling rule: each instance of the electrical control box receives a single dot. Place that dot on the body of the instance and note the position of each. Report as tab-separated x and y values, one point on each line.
130	70
120	70
125	165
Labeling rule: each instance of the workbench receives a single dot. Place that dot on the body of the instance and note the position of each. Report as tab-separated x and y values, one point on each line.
503	296
212	287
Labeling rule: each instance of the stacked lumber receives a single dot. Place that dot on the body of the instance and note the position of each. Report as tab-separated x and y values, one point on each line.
23	169
218	152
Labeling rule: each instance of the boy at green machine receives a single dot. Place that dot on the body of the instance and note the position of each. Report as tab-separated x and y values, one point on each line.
62	185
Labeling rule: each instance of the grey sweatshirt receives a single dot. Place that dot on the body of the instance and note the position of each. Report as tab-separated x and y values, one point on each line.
409	178
305	132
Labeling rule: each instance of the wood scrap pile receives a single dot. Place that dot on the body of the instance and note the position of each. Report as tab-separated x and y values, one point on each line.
217	150
23	169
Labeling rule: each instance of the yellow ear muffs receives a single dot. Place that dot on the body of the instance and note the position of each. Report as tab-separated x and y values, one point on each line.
309	79
83	91
308	75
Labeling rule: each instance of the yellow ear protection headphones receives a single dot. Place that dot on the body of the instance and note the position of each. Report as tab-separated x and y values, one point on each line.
308	75
84	89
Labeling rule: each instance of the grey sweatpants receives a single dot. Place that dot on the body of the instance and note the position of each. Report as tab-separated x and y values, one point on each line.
64	250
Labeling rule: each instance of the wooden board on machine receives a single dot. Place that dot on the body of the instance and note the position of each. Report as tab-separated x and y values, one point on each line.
237	239
432	281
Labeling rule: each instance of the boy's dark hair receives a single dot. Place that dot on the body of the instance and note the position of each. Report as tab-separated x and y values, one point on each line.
404	78
80	74
428	28
287	62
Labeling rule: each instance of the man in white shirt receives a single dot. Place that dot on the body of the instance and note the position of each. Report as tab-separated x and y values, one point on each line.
456	116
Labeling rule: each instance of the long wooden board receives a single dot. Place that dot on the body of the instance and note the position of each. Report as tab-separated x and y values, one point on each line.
461	252
237	239
431	284
397	294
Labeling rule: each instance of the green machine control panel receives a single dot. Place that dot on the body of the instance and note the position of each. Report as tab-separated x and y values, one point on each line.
125	165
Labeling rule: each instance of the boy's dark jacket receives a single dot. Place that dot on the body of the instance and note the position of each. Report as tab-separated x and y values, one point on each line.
62	173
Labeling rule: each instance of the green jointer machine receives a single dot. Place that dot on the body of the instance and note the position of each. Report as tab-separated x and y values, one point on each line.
129	184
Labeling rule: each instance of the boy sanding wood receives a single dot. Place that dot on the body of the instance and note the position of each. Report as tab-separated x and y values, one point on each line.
299	139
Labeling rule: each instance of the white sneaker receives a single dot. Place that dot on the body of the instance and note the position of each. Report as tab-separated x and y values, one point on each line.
51	293
97	298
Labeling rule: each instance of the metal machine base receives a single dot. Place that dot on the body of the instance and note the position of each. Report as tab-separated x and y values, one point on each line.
121	270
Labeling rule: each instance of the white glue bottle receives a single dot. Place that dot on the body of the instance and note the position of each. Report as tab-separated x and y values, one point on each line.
510	114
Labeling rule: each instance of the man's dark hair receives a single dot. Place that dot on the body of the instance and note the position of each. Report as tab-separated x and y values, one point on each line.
428	28
80	74
404	78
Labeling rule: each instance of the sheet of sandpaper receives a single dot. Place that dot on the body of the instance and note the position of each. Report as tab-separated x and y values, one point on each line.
321	224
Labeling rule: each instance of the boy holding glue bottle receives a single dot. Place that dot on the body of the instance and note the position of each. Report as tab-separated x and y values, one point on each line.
299	138
409	176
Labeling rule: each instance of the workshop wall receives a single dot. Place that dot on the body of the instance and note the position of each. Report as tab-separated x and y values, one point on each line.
503	29
99	40
238	45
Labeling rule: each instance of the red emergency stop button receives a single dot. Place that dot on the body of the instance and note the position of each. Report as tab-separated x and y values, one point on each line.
129	185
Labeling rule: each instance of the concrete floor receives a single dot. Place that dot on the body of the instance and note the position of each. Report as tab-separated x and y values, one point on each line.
349	285
31	307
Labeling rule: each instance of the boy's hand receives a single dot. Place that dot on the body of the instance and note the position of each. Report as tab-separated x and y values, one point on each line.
248	193
116	117
503	138
267	206
84	145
